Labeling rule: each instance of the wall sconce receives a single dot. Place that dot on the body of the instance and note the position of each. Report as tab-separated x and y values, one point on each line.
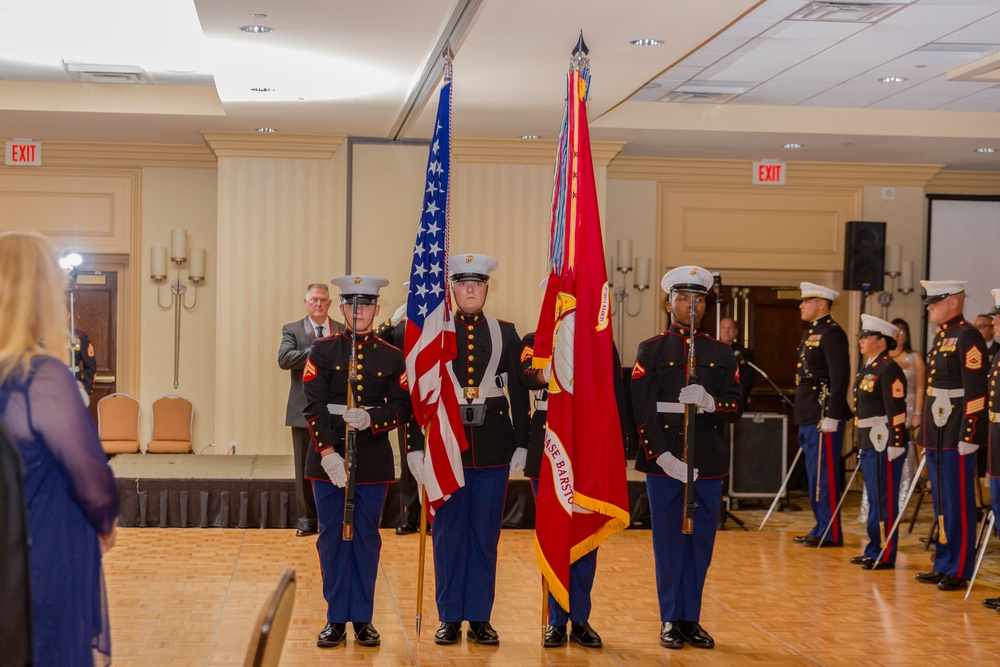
895	268
196	274
622	263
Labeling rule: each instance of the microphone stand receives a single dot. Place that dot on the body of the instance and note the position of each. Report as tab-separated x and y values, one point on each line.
777	497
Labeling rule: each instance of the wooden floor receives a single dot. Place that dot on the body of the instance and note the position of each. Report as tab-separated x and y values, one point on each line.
189	597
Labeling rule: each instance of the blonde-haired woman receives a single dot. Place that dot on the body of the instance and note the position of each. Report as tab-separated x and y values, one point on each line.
69	490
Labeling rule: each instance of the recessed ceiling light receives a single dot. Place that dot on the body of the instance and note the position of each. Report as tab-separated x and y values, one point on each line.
893	79
256	29
258	16
266	129
531	137
791	146
986	149
262	90
646	42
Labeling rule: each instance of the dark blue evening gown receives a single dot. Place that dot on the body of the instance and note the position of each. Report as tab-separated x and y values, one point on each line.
71	498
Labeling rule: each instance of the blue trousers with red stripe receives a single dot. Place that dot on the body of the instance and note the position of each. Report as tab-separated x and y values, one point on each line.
826	474
682	560
349	568
886	488
995	501
466	535
956	501
581	582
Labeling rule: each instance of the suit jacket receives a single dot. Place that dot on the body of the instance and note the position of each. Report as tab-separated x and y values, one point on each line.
292	356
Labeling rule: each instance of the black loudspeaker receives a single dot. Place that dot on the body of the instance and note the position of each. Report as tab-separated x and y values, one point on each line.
864	256
758	461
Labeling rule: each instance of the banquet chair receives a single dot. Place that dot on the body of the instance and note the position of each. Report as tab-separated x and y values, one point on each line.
118	424
272	624
173	417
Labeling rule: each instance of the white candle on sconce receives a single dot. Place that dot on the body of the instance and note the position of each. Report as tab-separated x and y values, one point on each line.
158	262
178	245
196	268
642	272
612	269
624	253
893	255
906	276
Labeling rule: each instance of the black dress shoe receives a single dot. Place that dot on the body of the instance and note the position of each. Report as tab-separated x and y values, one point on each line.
992	603
305	532
670	636
555	636
584	635
805	539
950	583
407	529
332	635
929	577
483	633
872	565
860	560
826	543
448	633
695	635
365	634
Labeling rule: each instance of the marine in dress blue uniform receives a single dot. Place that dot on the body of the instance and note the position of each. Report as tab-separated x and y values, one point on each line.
954	423
659	394
349	568
494	409
582	570
823	367
880	409
993	469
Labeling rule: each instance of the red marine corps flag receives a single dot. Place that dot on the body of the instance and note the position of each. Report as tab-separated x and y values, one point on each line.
582	492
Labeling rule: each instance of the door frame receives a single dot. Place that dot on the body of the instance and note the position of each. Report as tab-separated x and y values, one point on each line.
127	329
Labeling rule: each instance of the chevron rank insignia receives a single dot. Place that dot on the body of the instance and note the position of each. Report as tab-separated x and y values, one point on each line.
974	359
638	371
898	390
309	372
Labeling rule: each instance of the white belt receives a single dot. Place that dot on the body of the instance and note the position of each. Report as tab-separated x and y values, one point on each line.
336	409
484	391
673	408
941	408
869	422
878	431
542	405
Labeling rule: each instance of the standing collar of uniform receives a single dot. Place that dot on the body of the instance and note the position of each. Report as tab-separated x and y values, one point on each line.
362	338
470	318
682	330
878	357
826	317
958	319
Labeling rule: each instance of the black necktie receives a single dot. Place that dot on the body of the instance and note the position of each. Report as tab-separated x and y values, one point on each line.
319	331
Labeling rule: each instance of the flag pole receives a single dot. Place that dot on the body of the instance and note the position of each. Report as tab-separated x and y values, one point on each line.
423	555
545	607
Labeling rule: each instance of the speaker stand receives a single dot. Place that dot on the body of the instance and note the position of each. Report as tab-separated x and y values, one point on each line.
727	514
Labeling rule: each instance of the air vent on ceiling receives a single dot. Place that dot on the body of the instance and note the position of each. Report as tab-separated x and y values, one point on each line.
853	12
94	73
707	92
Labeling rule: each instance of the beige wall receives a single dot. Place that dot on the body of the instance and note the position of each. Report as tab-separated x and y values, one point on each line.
272	216
179	199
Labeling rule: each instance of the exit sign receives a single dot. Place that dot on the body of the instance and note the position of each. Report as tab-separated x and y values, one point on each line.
768	172
24	152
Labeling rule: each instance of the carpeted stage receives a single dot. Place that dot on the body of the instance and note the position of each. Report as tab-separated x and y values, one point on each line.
191	491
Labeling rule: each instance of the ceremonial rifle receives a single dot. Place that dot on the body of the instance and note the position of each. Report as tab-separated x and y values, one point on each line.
689	431
350	449
942	538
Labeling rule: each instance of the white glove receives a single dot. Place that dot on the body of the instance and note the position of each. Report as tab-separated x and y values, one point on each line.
547	372
896	452
398	316
674	467
358	418
518	460
828	425
333	464
695	394
966	448
415	462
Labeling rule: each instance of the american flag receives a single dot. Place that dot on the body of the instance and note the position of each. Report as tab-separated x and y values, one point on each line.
430	330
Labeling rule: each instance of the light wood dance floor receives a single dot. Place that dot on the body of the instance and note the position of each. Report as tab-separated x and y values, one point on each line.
190	596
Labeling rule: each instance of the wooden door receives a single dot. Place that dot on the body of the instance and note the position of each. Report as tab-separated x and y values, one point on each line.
95	306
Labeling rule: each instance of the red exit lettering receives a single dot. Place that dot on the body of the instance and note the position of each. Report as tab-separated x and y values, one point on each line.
769	173
22	153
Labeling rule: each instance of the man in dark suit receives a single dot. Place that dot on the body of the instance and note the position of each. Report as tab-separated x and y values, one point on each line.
296	337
